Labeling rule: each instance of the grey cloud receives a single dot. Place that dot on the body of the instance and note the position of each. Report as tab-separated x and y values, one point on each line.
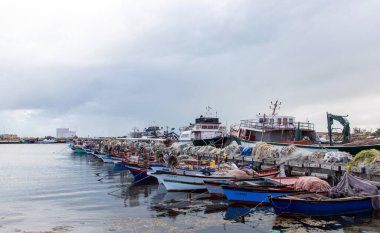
236	56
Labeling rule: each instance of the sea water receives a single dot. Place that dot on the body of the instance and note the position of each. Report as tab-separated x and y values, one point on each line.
48	188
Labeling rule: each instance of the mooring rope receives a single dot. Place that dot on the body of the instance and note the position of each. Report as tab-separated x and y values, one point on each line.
133	183
250	210
282	208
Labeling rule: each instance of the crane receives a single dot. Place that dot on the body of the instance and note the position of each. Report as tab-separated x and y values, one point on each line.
343	121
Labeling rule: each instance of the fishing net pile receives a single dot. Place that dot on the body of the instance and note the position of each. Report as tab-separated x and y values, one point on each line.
235	174
311	184
190	150
204	150
263	150
172	161
231	150
317	156
337	157
366	158
287	150
227	166
292	153
178	147
159	146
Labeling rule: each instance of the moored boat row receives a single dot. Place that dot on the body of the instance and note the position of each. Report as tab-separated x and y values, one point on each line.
238	185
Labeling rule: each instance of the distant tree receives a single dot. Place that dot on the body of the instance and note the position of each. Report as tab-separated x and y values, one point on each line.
376	132
358	130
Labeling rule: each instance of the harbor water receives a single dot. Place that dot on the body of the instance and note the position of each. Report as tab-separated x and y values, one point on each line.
48	188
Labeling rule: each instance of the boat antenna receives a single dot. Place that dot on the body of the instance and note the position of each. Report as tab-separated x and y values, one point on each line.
208	110
275	107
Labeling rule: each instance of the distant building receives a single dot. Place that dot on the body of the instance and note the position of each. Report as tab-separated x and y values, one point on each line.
9	138
136	134
65	133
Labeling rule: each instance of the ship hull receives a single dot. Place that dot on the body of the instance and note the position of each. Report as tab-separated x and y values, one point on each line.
218	142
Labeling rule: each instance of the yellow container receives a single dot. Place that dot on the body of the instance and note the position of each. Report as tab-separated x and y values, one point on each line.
212	164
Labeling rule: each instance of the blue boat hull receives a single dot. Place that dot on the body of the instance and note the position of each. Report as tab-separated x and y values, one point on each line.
321	208
234	212
253	196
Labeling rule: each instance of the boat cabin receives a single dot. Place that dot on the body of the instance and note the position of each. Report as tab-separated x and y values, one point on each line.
276	121
204	128
274	129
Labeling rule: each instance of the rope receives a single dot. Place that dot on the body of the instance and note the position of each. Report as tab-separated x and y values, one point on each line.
133	183
250	210
281	208
115	172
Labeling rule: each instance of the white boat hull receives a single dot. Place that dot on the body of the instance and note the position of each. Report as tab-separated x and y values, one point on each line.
173	182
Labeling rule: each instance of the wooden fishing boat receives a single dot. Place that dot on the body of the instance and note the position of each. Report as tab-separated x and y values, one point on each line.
88	151
105	158
215	187
79	150
249	194
140	172
320	205
175	182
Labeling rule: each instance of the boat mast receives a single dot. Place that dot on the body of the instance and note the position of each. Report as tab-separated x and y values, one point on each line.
275	106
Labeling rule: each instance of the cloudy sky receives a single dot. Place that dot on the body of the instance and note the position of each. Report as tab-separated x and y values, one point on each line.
103	67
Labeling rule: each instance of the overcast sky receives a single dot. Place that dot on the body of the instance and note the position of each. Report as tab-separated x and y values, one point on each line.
103	67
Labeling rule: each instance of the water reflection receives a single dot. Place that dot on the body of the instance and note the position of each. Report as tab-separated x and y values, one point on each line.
46	187
178	205
237	213
134	194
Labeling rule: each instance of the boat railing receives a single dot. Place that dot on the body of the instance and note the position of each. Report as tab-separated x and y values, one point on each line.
289	125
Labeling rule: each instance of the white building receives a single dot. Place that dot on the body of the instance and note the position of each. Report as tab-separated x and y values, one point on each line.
65	133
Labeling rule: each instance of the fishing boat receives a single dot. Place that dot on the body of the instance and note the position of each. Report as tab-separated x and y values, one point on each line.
88	151
108	158
215	190
273	128
282	131
313	204
175	182
352	195
251	194
141	172
78	149
207	130
48	140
